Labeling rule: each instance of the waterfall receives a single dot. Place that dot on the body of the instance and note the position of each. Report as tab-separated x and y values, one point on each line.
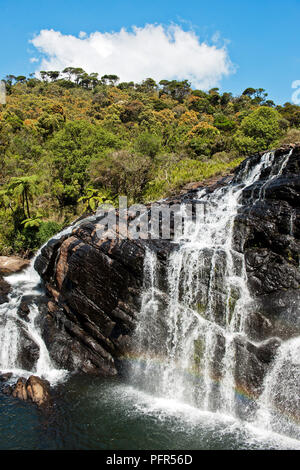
281	388
13	328
194	316
189	323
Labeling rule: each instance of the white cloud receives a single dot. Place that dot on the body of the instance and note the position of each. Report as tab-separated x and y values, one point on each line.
152	51
33	60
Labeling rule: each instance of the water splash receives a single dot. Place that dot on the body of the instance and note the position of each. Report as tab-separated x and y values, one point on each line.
192	321
280	397
12	327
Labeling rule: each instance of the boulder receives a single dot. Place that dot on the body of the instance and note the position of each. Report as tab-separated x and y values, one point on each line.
12	264
28	351
38	390
33	389
24	310
7	390
5	289
5	377
19	390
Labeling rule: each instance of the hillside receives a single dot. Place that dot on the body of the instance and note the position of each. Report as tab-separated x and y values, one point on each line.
71	141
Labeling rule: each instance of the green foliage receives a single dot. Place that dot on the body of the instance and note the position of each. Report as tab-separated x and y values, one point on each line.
72	140
223	123
93	198
46	231
122	173
23	188
262	126
72	150
148	144
33	222
170	179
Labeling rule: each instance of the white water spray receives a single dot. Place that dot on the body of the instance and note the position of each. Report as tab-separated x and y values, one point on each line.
12	327
187	330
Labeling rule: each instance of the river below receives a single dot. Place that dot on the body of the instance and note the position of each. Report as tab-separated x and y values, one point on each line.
109	414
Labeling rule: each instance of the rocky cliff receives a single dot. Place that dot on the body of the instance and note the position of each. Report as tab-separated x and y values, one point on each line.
94	286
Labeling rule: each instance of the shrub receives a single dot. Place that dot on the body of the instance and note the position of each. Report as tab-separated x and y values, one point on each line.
46	231
148	144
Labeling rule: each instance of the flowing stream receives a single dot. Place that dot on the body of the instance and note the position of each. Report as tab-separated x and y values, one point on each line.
185	342
13	328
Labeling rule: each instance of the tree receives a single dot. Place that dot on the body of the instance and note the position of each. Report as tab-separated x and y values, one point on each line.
75	73
68	71
291	112
20	79
53	75
131	111
177	90
147	86
122	173
126	86
148	144
201	138
93	198
49	123
214	97
33	222
24	187
110	79
262	125
9	79
71	151
258	95
44	75
5	199
78	73
222	123
249	92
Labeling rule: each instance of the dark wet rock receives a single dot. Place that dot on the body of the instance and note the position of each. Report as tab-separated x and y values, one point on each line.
251	366
24	309
267	231
267	351
5	377
94	286
69	346
28	351
5	289
7	390
258	326
19	389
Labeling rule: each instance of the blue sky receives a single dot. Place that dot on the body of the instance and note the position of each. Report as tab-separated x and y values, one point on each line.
262	37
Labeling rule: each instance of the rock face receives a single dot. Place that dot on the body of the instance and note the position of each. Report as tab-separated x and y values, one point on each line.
12	264
38	390
4	291
95	289
268	233
94	286
33	389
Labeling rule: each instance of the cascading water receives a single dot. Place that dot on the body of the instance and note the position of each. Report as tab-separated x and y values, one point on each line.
187	331
13	328
281	388
194	313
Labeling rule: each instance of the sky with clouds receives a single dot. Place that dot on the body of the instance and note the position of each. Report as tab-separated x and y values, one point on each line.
232	44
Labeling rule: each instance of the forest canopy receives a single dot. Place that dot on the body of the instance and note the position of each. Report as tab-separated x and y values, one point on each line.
71	140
